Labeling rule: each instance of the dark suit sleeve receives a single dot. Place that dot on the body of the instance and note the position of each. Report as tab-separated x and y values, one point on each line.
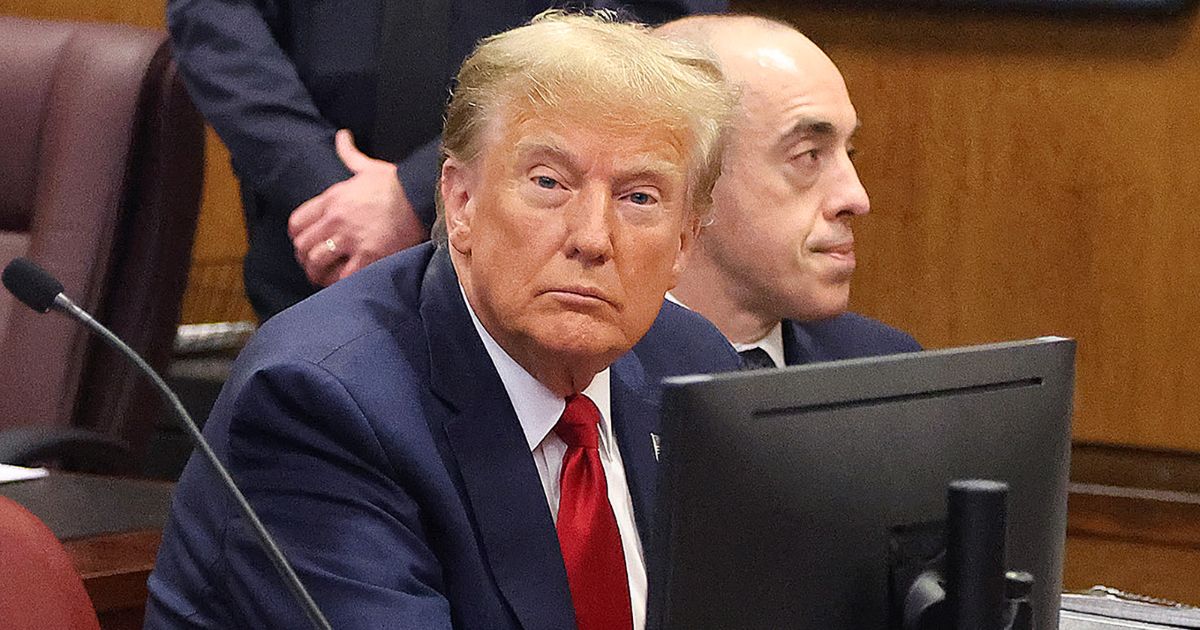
846	336
250	92
419	174
682	342
310	462
873	337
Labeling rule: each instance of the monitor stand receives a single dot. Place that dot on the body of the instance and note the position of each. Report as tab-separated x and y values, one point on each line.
963	586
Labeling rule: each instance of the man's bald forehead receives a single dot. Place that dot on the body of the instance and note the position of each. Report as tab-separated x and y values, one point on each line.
756	53
714	30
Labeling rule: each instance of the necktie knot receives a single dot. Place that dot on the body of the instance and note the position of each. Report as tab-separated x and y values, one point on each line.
756	359
578	425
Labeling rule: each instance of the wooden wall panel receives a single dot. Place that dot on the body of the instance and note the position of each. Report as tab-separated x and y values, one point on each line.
148	13
1163	571
215	291
1033	174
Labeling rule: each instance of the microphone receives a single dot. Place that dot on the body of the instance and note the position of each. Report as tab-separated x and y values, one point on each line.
38	290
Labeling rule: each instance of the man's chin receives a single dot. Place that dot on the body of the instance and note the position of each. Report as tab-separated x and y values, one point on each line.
583	339
818	306
572	348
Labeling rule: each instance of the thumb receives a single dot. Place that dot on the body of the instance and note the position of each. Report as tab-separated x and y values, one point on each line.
354	159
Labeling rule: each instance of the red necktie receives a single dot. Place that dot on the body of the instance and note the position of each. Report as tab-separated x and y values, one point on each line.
587	529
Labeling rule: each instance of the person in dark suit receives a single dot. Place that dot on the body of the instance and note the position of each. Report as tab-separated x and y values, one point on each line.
773	269
278	79
462	435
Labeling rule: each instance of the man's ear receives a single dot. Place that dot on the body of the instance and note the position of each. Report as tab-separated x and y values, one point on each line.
687	242
458	193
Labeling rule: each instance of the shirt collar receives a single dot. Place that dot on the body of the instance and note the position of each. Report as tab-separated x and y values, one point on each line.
538	409
772	344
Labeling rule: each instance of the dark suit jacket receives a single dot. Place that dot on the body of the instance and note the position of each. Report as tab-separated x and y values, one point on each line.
847	336
277	78
370	430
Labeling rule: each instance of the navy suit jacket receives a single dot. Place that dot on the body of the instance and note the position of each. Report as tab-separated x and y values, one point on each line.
847	336
370	430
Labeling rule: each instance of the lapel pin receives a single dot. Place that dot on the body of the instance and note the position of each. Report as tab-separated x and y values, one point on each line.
654	439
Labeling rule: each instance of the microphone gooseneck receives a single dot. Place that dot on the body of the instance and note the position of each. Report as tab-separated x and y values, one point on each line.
37	289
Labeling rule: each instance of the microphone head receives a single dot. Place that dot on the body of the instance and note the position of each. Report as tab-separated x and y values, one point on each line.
31	284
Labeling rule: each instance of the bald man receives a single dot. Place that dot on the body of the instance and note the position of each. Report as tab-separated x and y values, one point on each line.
773	269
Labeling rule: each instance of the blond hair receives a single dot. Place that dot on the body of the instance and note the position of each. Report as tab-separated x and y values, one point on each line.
564	59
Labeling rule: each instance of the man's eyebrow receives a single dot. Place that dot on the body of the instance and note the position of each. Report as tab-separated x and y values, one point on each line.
541	148
816	127
657	171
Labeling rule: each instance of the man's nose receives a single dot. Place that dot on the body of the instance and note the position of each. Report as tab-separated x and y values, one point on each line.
590	226
848	196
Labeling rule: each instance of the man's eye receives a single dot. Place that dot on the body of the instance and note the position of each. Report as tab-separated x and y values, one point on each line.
807	158
641	198
549	183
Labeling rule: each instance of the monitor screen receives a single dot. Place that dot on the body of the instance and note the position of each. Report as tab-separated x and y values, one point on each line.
785	493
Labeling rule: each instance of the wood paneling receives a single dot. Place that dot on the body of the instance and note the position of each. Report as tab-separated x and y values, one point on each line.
215	290
1162	470
1138	540
1034	174
1133	521
1167	572
148	13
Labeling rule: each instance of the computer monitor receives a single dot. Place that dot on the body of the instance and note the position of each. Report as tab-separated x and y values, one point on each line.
783	492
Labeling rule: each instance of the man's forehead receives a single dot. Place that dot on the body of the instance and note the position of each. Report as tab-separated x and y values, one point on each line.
575	138
585	142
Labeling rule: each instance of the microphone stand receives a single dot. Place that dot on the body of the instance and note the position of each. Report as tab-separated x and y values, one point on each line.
315	617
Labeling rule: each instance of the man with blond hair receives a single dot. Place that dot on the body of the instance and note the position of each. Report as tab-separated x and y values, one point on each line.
773	269
462	435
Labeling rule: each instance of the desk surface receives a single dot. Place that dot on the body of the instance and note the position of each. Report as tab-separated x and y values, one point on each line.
110	527
84	506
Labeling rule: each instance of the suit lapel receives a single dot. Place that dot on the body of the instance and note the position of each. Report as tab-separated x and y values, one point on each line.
798	347
515	528
635	419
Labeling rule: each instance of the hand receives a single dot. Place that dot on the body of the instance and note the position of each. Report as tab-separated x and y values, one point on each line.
355	222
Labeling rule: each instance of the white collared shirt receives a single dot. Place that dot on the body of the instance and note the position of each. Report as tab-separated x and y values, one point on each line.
538	410
771	343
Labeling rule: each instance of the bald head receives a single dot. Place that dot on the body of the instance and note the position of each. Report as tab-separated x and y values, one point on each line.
756	52
780	246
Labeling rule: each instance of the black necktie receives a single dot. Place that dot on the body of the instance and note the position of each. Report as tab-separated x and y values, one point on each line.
756	359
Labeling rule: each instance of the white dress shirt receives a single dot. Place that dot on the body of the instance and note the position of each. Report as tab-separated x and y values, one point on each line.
772	344
538	410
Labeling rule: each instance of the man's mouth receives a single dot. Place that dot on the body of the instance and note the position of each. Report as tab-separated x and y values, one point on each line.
579	294
841	249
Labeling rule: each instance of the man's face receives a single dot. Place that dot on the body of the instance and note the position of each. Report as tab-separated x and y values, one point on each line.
788	189
567	232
